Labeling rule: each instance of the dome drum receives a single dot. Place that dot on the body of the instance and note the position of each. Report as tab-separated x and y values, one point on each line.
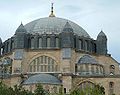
89	69
87	65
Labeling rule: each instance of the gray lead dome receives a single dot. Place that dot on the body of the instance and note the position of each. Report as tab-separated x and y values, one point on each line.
42	78
53	24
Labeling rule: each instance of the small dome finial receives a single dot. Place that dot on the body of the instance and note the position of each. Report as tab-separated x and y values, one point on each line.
52	14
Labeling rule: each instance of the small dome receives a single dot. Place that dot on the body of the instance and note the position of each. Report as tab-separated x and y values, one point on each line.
42	78
101	35
54	25
87	59
21	29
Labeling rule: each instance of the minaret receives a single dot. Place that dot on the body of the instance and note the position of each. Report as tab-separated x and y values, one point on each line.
52	13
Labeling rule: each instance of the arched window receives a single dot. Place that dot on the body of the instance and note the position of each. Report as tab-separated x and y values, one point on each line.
86	46
87	69
97	70
86	84
48	42
43	64
93	47
80	44
112	69
56	42
12	44
111	88
40	43
92	69
32	43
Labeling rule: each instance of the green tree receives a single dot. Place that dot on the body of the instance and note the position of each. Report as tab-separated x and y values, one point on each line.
39	90
16	90
97	90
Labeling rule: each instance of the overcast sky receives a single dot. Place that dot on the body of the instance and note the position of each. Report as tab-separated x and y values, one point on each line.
91	15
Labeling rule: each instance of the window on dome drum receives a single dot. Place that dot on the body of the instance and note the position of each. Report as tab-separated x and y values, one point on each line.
48	42
12	45
112	69
92	69
43	64
32	43
97	70
56	42
111	88
87	69
8	49
93	47
40	43
80	44
86	84
86	46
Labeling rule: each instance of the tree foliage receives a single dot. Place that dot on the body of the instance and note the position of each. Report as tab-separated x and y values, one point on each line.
39	90
97	90
16	90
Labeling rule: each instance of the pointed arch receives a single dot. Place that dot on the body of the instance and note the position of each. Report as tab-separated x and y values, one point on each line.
43	64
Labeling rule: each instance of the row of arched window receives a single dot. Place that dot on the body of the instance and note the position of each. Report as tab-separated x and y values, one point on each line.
48	42
86	45
88	69
7	46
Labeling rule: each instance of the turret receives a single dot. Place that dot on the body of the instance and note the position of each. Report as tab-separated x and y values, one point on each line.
67	36
20	37
101	43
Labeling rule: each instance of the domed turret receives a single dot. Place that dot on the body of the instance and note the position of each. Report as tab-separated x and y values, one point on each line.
21	29
101	35
20	37
67	27
67	36
102	43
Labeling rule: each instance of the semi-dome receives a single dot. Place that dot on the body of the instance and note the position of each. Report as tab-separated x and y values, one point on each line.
87	59
42	78
53	24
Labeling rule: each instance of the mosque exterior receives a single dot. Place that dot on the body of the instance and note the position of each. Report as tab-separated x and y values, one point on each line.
57	53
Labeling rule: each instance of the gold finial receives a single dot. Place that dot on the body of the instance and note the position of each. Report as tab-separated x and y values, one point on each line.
52	14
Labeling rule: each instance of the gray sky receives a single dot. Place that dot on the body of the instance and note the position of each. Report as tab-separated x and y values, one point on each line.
91	15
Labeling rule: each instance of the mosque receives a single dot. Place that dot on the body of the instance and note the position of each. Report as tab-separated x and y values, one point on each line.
57	53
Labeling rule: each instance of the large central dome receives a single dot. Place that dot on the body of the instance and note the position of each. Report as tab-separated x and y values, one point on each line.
54	25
